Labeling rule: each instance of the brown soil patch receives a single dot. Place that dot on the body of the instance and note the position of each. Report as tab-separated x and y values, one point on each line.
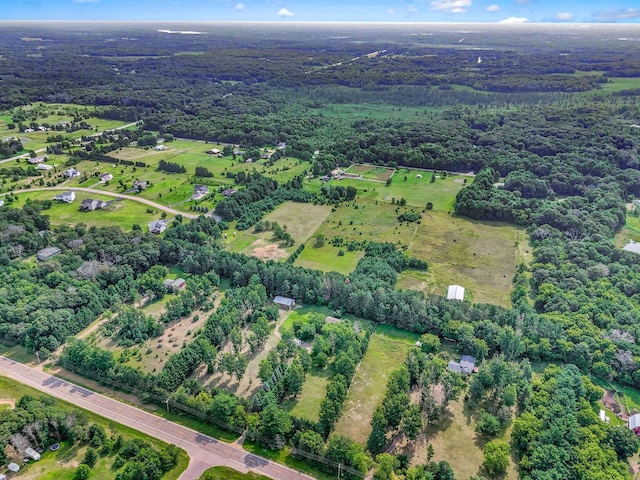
11	403
609	401
265	251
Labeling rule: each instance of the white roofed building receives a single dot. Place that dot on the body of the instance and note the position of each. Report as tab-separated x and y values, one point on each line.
455	292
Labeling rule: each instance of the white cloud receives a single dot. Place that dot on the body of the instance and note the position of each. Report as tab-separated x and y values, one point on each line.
514	20
451	6
240	6
283	12
565	16
614	15
493	8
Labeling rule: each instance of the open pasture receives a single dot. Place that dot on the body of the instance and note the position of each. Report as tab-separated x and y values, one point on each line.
480	256
371	172
387	351
326	258
301	221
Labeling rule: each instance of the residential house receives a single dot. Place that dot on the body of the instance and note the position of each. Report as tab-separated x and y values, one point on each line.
71	173
106	177
200	191
175	285
44	166
47	253
89	205
139	185
265	155
157	226
455	292
467	365
36	160
282	146
228	192
30	452
66	197
214	151
284	303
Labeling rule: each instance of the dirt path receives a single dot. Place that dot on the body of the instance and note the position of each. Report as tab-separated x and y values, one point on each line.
11	403
250	384
108	194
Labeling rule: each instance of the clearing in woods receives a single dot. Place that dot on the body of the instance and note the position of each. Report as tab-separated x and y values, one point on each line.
301	221
480	256
388	348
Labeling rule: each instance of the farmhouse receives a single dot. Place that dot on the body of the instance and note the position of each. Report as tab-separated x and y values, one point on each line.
157	226
228	192
285	303
47	253
44	166
89	205
36	160
466	365
456	292
634	423
71	173
106	177
30	452
66	197
199	191
175	285
139	185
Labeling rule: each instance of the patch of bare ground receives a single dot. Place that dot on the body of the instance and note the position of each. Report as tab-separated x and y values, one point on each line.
11	403
610	402
264	251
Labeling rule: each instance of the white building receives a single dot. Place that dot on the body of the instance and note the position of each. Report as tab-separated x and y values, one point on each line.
71	173
44	166
456	292
66	197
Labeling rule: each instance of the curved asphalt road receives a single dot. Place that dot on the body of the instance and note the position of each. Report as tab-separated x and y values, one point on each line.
151	203
204	451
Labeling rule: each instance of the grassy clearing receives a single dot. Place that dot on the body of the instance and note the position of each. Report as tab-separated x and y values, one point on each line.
387	350
617	84
480	256
370	172
454	439
226	473
326	259
18	353
630	231
313	390
62	463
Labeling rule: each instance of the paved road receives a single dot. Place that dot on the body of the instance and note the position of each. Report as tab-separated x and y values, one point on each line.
109	194
40	150
204	451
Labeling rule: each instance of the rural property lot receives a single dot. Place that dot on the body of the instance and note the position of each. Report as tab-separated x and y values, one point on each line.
387	351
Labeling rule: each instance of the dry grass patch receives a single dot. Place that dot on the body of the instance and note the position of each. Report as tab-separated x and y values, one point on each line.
301	219
480	256
387	351
272	251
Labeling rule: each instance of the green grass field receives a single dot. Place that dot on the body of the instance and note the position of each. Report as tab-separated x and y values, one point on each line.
314	389
123	213
61	465
387	350
326	258
480	256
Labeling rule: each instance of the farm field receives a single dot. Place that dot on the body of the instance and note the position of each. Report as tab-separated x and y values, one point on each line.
123	213
480	256
387	350
61	465
301	221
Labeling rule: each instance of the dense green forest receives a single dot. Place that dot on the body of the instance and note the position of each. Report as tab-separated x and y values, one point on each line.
550	131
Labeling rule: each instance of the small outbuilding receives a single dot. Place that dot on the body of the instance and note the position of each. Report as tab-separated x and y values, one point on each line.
44	166
284	303
455	292
47	253
634	423
13	467
157	226
175	285
30	452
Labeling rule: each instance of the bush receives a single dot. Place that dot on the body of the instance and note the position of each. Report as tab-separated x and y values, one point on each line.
82	472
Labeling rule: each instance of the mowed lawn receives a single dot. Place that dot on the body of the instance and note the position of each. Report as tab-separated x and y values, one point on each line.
314	390
326	258
480	256
387	351
124	213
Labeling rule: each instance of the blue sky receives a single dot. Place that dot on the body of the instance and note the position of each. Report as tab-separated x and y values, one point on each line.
508	11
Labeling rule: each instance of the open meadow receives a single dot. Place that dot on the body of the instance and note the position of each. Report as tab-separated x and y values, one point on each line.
388	348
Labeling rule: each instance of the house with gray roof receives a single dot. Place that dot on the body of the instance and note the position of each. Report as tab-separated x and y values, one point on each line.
284	303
